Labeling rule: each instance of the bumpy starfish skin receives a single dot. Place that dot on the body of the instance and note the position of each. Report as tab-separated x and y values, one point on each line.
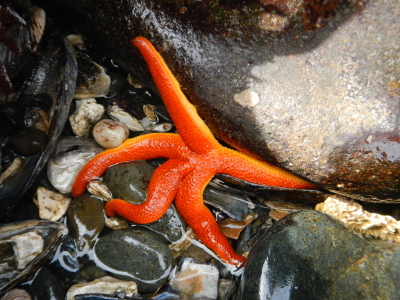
194	157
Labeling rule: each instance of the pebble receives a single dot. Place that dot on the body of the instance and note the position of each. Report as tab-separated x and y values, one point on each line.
85	221
69	156
195	280
129	181
311	255
138	255
106	285
29	141
46	286
88	112
109	133
52	206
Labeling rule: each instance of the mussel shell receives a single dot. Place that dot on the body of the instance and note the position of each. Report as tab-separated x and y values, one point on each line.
55	75
52	233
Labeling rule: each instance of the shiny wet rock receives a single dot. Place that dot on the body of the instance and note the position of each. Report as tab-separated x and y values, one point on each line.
86	220
310	255
137	255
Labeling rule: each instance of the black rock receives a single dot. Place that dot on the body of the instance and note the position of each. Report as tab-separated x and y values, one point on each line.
29	141
310	255
138	255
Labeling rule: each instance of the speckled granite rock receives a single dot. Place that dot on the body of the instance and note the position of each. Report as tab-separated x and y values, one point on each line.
322	104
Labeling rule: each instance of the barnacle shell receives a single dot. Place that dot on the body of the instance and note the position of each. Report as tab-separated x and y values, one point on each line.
353	215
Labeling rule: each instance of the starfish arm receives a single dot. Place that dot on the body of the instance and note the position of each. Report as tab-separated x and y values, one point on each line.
162	190
250	169
147	146
190	126
189	203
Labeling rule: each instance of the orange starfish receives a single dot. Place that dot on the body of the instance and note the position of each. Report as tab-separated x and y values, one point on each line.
194	157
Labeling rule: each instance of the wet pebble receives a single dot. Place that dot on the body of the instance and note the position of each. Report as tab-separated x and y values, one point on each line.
46	286
310	255
29	141
105	285
129	181
52	206
85	220
194	281
138	255
69	156
109	133
87	113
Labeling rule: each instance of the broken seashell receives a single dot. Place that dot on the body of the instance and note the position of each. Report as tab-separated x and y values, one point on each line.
99	189
52	206
160	127
135	82
353	215
118	114
12	169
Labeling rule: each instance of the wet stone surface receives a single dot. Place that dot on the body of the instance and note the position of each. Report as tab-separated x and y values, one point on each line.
137	255
85	220
310	255
129	181
322	104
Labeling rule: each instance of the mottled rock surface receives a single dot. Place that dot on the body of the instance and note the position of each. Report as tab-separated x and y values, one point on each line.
310	255
322	103
137	255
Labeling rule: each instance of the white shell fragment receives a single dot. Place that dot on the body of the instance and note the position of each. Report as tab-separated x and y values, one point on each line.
99	189
247	98
118	114
87	113
27	247
196	280
12	169
105	285
52	206
160	127
109	133
352	214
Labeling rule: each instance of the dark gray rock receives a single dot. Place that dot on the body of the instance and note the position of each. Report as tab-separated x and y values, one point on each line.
310	255
328	99
138	255
129	181
85	220
46	286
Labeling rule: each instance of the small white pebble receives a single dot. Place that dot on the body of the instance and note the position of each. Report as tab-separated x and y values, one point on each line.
109	133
